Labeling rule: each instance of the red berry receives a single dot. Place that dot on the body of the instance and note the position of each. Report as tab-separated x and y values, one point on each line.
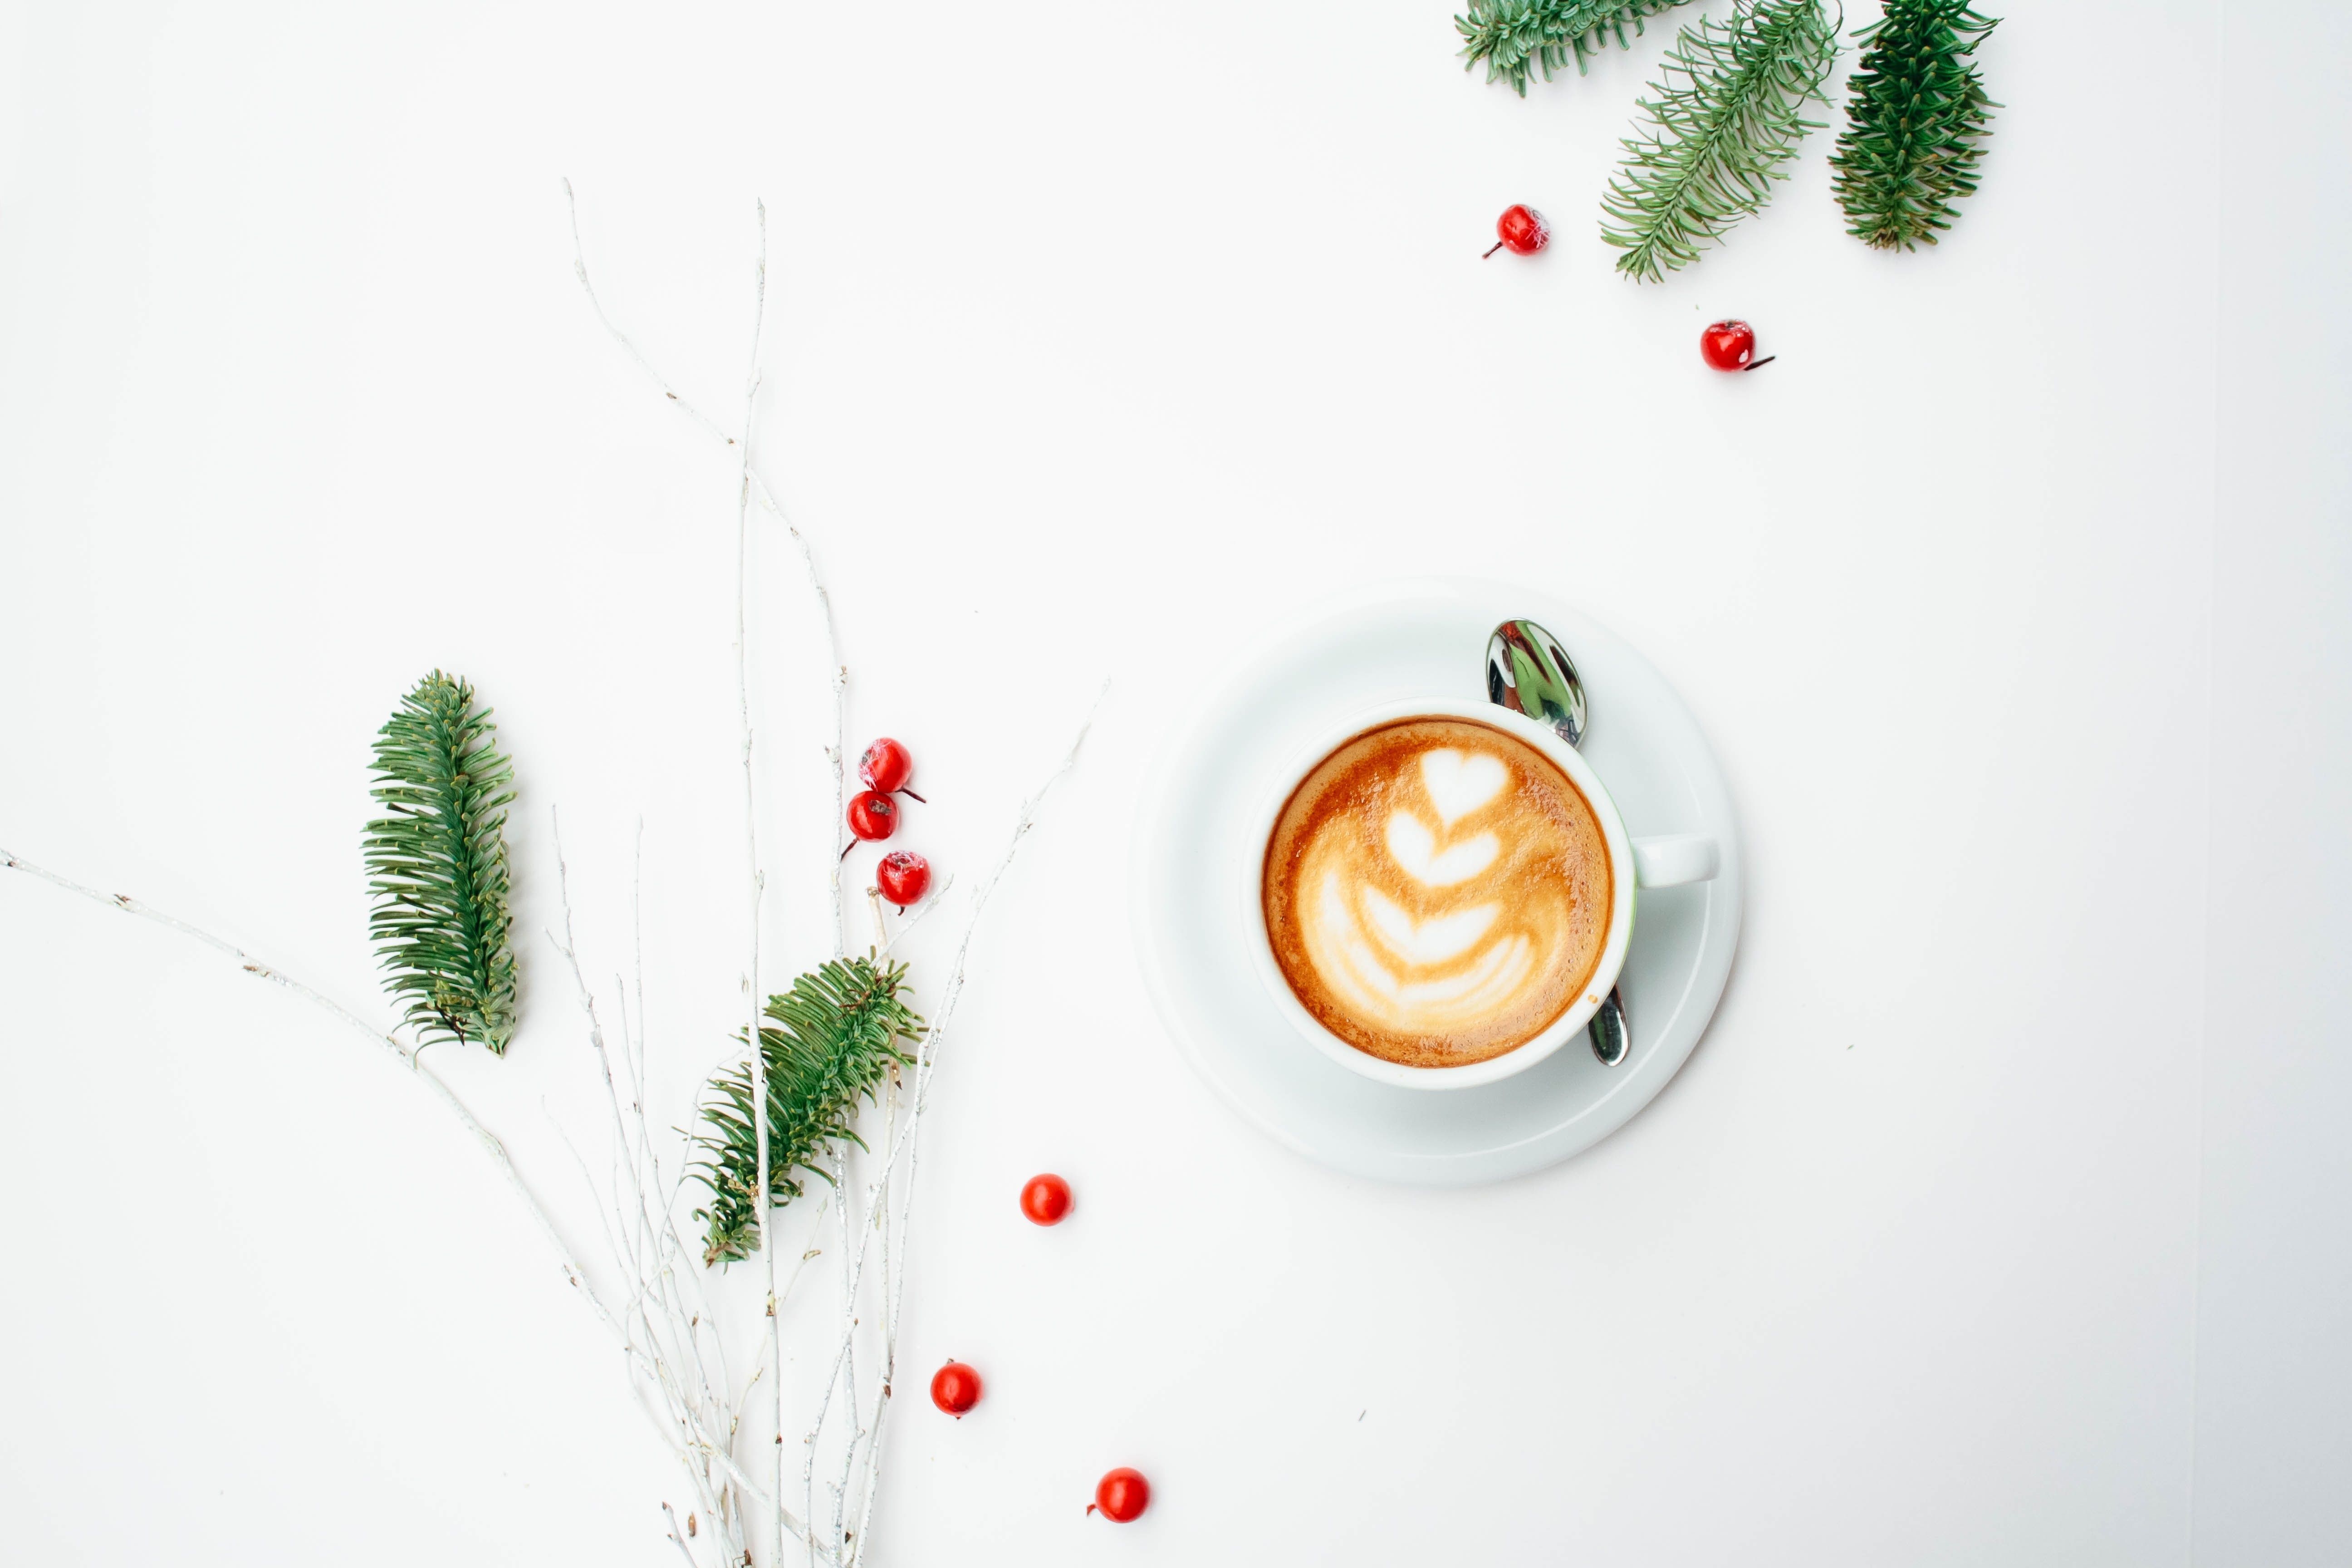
1046	1199
873	814
1521	230
886	766
1730	345
955	1388
904	877
1122	1495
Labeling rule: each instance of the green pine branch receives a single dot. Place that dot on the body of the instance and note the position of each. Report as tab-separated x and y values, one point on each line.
836	1036
1916	123
437	866
1511	36
1716	143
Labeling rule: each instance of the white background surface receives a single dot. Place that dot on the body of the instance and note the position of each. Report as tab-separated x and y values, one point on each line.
2001	1216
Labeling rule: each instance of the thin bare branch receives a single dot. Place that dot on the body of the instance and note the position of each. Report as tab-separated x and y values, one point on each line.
678	1536
413	1058
580	270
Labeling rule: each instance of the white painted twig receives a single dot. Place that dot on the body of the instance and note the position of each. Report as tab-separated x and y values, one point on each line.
764	1204
580	270
757	488
678	1536
890	1194
849	1339
908	1144
908	1141
412	1057
688	1406
700	1407
930	901
745	482
834	753
447	1096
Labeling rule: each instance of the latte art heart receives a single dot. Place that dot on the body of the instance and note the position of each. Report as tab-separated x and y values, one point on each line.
1460	783
1414	847
1436	891
1432	940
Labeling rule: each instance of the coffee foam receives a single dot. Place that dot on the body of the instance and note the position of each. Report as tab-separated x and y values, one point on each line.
1436	891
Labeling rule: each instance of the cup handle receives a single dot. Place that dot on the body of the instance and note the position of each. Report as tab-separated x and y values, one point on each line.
1676	858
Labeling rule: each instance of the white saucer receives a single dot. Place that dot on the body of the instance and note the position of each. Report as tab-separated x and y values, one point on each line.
1424	639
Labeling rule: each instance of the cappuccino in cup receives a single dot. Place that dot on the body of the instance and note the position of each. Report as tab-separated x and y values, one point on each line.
1438	893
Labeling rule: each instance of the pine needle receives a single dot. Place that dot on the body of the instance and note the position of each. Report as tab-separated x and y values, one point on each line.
1916	123
1716	142
836	1037
1512	34
437	866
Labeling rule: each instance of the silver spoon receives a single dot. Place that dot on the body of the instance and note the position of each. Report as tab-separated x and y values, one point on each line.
1529	672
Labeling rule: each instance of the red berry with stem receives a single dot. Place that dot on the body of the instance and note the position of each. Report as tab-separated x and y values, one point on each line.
1122	1495
1521	230
873	814
903	877
1731	345
1046	1199
886	766
955	1388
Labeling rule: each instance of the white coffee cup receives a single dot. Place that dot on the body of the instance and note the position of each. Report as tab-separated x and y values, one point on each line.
1661	862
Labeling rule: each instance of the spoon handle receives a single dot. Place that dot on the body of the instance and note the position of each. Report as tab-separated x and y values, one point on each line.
1529	672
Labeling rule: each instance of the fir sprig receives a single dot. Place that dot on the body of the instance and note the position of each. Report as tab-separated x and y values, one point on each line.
1717	142
437	866
1916	122
1511	36
835	1036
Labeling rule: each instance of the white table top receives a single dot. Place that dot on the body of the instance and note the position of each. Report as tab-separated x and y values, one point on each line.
1097	344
